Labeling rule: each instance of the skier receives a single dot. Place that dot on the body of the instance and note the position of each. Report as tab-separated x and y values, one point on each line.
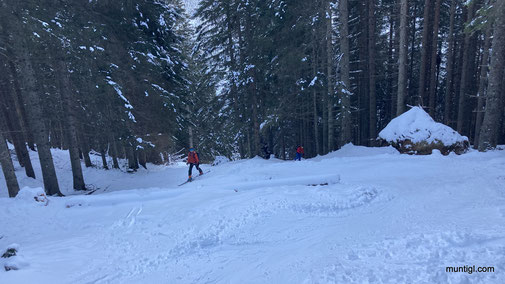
299	153
193	160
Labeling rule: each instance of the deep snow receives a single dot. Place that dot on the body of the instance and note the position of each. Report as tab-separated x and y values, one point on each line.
382	218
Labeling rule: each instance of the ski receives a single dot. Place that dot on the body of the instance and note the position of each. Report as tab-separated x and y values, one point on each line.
206	172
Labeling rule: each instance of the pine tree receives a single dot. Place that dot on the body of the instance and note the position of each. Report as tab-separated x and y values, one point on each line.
345	86
434	58
371	73
450	66
494	98
424	68
402	63
482	85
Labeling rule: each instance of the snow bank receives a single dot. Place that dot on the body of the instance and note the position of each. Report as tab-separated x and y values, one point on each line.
415	129
350	150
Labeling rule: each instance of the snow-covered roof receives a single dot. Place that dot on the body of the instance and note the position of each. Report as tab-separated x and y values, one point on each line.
416	125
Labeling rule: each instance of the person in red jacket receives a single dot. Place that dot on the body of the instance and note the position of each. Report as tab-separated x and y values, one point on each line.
299	153
193	160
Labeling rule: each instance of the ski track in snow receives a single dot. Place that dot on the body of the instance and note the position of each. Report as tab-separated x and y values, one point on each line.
358	215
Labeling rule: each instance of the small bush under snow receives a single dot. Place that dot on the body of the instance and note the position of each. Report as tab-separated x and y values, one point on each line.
10	250
10	259
31	194
415	132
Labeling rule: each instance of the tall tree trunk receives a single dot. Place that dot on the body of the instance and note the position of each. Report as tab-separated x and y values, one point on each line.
421	97
20	107
434	49
8	167
249	145
113	148
6	112
233	70
371	73
391	107
136	157
450	67
458	53
20	147
190	128
344	90
130	155
307	129
465	70
314	101
252	87
12	123
329	74
84	146
324	124
37	125
363	83
59	135
256	125
283	144
113	151
402	62
482	85
141	158
494	98
70	123
19	48
104	159
411	95
9	130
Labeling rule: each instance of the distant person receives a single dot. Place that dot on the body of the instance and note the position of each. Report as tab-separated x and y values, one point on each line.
193	160
266	152
299	153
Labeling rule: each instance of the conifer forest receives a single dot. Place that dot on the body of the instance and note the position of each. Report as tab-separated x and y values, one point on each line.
141	81
252	141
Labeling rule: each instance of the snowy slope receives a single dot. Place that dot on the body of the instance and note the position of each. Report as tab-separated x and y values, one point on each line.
381	218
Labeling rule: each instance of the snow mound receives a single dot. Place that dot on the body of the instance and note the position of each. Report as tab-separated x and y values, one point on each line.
416	128
30	194
350	150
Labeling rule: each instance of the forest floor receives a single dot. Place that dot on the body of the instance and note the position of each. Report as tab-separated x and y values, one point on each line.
357	215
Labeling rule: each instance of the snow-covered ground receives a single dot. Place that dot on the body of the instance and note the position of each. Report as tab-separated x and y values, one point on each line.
358	215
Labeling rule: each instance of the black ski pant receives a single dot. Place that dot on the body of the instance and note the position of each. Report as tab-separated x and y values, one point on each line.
197	166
